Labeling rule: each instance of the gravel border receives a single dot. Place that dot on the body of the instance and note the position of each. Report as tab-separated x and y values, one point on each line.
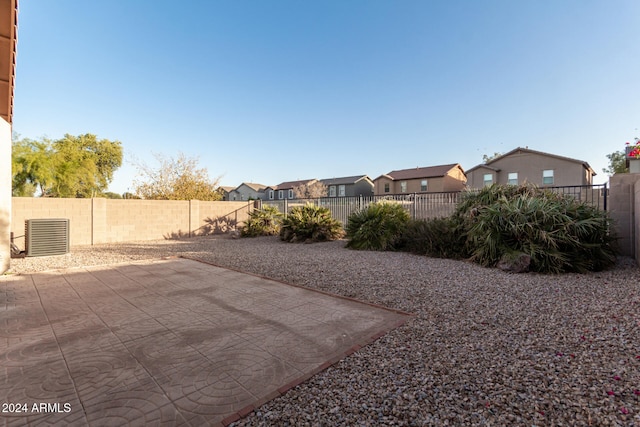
485	348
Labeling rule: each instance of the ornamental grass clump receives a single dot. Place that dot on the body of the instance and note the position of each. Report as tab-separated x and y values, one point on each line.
310	223
265	221
377	227
559	233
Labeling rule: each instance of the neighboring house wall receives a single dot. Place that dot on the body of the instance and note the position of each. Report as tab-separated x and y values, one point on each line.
476	177
94	221
364	187
5	196
383	185
353	186
244	192
530	168
453	180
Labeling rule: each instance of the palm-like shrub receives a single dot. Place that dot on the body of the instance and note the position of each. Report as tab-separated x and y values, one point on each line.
557	232
262	222
377	227
310	223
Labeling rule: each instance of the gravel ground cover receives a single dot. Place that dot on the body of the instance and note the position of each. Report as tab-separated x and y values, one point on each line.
485	347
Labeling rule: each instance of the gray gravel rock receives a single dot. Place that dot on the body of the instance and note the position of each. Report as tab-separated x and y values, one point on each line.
485	348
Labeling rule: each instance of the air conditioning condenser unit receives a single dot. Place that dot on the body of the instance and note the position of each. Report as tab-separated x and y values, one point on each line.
46	236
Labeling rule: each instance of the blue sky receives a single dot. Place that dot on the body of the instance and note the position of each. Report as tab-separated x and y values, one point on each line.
273	91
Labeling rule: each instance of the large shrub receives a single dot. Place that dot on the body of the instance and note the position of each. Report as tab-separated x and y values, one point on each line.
262	222
558	232
310	223
377	227
436	237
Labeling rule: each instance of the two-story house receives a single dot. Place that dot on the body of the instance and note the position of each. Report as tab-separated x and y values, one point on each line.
349	186
284	190
431	179
523	165
248	191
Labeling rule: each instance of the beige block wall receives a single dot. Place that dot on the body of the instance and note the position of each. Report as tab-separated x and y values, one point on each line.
95	221
132	219
624	208
78	211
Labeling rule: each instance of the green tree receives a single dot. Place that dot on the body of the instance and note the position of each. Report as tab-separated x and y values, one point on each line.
617	163
111	195
486	158
73	166
175	179
32	167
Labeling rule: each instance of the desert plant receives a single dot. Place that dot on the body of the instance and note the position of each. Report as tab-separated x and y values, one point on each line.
265	221
379	226
310	223
436	237
557	232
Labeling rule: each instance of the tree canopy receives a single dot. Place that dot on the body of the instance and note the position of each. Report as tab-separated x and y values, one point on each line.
310	191
486	158
175	179
73	166
617	163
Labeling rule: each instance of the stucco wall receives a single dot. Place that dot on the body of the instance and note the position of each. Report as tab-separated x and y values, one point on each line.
624	208
5	195
529	167
94	221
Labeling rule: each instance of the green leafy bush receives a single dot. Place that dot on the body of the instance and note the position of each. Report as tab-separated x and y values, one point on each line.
377	227
262	222
559	233
435	237
310	223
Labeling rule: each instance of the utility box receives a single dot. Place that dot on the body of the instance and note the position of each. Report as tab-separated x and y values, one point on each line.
46	236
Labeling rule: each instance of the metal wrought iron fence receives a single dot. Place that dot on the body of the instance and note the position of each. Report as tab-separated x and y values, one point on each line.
595	195
428	205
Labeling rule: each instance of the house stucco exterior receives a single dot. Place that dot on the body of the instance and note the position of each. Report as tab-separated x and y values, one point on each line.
530	166
8	45
350	186
433	179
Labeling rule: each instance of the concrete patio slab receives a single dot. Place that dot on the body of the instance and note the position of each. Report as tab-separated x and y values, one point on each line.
165	342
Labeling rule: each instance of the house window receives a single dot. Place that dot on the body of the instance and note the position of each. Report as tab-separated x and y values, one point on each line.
513	178
403	186
386	187
332	191
270	194
423	185
290	193
547	177
487	179
280	194
341	190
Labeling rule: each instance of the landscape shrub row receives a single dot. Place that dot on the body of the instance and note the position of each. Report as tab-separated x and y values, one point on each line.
554	232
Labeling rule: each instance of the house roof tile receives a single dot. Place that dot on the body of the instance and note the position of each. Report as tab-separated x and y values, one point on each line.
291	184
527	150
344	180
425	172
254	186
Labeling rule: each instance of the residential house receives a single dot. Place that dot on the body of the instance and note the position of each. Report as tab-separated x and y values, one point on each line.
524	165
248	191
359	185
225	190
431	179
284	190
